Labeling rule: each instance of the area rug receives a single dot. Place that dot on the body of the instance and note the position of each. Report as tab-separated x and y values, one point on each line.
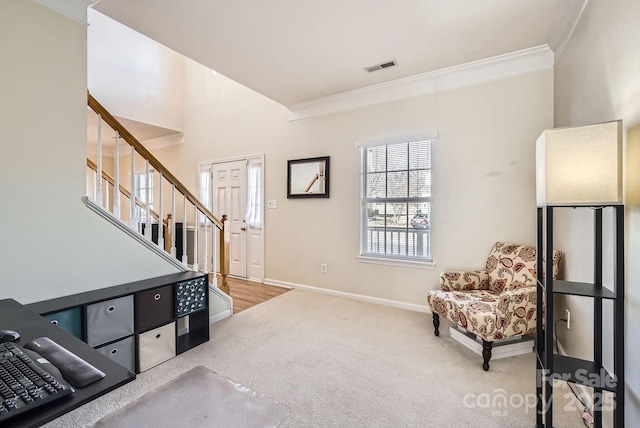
199	398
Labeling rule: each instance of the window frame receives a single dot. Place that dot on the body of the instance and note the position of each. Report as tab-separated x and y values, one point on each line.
388	257
141	193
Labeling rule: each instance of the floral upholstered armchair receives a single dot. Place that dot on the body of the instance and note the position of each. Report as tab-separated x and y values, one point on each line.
495	303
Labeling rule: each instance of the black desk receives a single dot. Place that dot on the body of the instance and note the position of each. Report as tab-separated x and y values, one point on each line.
14	316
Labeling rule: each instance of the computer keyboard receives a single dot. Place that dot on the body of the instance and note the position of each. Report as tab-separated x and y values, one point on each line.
24	384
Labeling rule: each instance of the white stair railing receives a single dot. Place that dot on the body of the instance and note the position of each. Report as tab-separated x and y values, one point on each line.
147	213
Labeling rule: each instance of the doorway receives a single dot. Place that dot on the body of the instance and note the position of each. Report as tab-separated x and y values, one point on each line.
235	187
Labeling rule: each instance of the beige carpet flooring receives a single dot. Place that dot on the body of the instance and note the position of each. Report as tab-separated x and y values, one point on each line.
343	363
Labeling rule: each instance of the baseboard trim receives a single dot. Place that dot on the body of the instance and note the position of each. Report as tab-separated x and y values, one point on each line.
352	296
219	317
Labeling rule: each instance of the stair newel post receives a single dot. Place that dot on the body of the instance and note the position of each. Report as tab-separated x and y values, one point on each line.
147	206
160	214
173	224
167	242
185	260
224	254
132	208
116	179
99	193
196	224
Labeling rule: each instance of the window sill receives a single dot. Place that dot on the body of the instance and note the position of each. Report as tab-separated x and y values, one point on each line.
397	262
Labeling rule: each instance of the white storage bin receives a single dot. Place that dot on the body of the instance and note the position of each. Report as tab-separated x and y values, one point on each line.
156	346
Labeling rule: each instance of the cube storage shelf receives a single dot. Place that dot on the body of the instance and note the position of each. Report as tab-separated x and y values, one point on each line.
140	324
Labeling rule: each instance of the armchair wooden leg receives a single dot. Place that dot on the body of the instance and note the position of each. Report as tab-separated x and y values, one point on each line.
436	324
486	354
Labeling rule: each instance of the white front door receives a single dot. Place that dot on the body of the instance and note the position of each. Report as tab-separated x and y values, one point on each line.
230	197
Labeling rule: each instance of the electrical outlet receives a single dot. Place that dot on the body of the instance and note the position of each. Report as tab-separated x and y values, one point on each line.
323	268
568	319
272	204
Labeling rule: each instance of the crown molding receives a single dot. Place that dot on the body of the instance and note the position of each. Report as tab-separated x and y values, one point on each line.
485	70
73	9
569	16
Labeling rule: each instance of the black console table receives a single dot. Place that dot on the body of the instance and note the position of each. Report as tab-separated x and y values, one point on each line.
30	325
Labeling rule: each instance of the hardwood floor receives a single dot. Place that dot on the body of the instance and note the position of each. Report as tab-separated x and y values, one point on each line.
247	293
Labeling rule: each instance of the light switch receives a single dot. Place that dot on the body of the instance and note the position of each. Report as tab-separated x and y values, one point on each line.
272	203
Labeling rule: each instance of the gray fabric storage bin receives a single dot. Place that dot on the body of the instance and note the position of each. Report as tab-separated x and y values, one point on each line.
122	352
109	320
156	346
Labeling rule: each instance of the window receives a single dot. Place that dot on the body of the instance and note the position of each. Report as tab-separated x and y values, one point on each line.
205	190
253	215
144	192
396	200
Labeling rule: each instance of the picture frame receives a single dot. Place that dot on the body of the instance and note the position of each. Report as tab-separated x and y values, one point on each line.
308	178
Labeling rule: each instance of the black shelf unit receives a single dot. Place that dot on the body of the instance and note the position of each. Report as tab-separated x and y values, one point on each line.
156	302
588	373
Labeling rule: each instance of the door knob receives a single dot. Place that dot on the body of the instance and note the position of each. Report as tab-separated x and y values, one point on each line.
243	228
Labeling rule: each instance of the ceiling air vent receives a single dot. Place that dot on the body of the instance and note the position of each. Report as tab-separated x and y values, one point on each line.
376	67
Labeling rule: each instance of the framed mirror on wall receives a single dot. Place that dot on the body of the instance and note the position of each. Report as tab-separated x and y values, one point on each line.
308	178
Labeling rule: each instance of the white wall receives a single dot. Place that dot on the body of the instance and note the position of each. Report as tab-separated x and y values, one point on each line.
132	76
52	245
483	174
597	80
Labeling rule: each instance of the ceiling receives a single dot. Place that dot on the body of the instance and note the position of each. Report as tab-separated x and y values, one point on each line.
296	51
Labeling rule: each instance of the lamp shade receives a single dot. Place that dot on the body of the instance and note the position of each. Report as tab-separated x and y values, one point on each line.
580	165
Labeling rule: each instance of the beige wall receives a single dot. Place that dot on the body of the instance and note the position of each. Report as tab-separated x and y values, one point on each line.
132	76
597	80
483	174
52	244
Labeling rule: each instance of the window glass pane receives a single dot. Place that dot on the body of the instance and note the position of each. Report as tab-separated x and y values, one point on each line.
397	157
144	193
420	183
254	200
376	159
420	155
397	215
396	233
420	236
398	185
375	215
376	185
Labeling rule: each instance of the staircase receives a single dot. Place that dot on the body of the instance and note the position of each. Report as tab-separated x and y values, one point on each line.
156	209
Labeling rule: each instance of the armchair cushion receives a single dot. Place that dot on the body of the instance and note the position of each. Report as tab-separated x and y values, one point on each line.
511	266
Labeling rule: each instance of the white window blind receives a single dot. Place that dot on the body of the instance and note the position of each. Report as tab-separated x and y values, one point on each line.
396	200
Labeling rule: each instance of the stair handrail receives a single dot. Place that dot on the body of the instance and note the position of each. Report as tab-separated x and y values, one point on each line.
153	161
166	174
